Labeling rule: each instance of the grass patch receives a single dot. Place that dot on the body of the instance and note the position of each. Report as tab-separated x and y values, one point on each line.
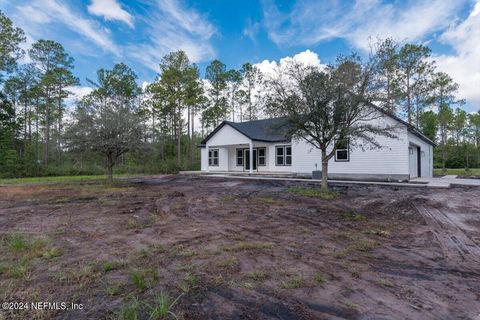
159	248
144	254
189	283
377	232
132	224
351	216
314	192
39	180
363	245
143	278
351	305
258	276
111	265
162	307
340	254
182	251
130	311
228	262
18	243
52	253
115	290
187	253
18	270
294	282
358	244
267	200
319	278
385	283
247	246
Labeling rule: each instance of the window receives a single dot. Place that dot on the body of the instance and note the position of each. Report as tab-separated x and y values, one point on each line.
288	155
279	151
342	153
283	155
240	157
213	157
261	156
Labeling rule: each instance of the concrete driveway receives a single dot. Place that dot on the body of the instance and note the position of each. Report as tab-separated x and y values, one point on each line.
447	181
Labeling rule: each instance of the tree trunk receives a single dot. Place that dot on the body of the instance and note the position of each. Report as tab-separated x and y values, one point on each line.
467	164
60	115
110	164
250	104
153	126
37	151
409	102
179	137
444	158
110	174
192	146
47	128
324	170
188	153
25	115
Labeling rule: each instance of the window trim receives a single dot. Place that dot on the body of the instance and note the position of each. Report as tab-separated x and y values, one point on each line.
264	157
243	156
347	149
237	157
284	155
211	159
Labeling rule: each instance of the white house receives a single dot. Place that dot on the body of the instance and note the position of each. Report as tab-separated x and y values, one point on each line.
264	144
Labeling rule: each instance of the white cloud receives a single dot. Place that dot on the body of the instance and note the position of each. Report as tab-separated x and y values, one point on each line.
310	22
33	14
79	91
307	57
110	10
251	30
49	11
173	27
186	19
76	94
464	65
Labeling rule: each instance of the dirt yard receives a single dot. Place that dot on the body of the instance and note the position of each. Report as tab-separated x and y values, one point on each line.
238	249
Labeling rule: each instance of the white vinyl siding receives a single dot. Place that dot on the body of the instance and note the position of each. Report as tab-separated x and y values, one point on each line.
391	159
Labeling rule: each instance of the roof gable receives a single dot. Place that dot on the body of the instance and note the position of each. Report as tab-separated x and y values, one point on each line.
265	130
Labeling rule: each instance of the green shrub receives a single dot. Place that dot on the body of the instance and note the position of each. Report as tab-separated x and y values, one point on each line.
314	192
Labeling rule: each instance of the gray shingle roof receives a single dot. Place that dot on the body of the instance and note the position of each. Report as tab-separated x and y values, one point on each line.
277	129
266	130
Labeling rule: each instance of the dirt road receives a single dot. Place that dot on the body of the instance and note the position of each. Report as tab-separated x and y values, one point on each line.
241	250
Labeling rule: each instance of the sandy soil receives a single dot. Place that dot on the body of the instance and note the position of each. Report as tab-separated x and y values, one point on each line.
236	249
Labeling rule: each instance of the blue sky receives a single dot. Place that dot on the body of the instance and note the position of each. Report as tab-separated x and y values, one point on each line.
99	33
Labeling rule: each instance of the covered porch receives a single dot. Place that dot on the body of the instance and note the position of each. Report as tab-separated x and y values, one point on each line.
247	147
252	157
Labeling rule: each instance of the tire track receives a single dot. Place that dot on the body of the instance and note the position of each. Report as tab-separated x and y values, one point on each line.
456	246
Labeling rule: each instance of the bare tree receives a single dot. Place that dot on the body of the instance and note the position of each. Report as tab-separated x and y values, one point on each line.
329	107
108	120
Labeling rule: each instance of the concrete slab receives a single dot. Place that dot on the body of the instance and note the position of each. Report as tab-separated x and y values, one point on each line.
449	176
332	182
448	180
437	182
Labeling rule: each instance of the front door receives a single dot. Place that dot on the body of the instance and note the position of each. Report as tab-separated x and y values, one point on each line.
247	159
413	161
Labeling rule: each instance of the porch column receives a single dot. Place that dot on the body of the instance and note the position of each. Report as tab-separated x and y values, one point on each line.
250	144
208	158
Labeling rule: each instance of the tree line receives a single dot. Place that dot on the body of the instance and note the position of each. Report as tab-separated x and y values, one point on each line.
409	85
157	128
150	129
